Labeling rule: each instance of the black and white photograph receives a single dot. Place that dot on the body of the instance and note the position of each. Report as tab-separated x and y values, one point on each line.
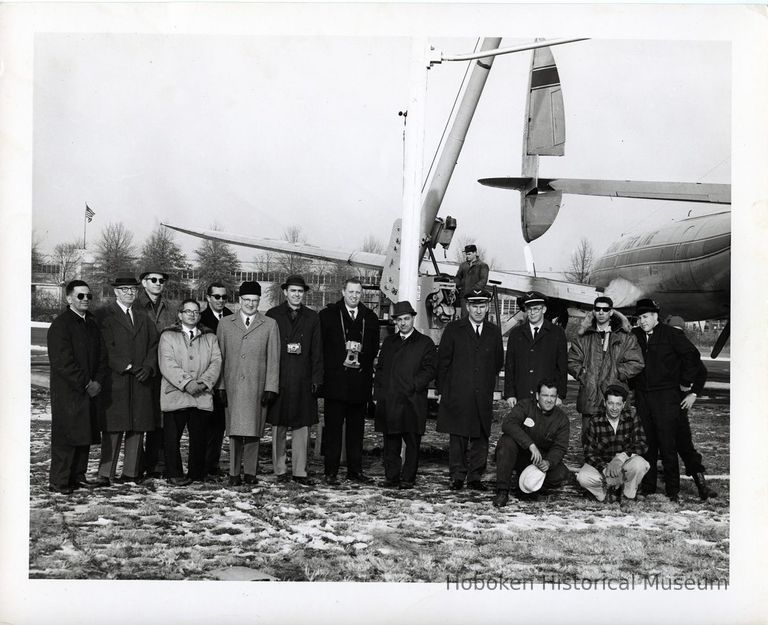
424	306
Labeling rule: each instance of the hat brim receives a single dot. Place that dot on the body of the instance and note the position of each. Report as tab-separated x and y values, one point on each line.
534	302
118	285
285	285
149	273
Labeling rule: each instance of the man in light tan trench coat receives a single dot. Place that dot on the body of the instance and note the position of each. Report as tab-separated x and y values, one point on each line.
250	348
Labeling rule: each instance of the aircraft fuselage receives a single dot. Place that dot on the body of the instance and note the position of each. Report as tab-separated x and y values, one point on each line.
685	267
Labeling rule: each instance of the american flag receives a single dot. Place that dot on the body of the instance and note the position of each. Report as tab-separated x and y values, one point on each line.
89	213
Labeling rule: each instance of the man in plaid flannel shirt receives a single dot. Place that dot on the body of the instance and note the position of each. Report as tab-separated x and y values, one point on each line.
615	442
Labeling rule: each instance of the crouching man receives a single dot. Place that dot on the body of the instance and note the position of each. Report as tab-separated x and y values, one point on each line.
613	448
534	442
190	361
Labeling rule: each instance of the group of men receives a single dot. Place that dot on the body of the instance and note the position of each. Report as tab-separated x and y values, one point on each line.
137	373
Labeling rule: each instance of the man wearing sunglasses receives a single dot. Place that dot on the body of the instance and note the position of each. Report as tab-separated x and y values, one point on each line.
216	295
78	367
604	352
150	299
128	408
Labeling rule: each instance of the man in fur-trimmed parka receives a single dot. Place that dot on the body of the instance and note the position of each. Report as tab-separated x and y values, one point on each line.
605	352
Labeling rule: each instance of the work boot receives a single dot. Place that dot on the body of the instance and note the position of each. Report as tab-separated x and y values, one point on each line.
705	492
501	498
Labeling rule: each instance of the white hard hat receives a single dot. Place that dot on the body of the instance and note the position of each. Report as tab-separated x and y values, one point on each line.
531	479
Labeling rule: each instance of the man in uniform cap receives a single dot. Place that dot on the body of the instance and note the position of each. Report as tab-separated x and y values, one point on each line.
535	434
604	351
469	359
472	275
536	349
405	367
671	366
613	448
250	349
162	314
301	376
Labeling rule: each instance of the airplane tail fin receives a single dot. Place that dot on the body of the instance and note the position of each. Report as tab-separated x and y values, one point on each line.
543	135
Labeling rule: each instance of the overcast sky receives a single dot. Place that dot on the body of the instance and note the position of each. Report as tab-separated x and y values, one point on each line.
259	133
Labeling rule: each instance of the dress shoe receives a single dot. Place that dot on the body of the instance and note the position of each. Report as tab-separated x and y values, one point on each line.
304	480
674	497
331	480
501	499
705	492
405	485
249	479
151	475
127	479
234	480
477	485
361	478
456	484
63	490
179	481
283	477
390	483
100	481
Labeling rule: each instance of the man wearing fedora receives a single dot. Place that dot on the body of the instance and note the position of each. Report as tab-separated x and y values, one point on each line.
605	351
536	349
301	376
671	366
472	275
469	359
350	333
216	296
162	314
128	409
405	367
613	449
534	442
250	349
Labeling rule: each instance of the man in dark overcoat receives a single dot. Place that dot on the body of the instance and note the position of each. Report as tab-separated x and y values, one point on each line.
216	295
163	314
472	275
301	376
78	366
350	332
671	367
469	359
536	349
406	365
127	409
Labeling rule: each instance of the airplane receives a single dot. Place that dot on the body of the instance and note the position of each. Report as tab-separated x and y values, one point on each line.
685	267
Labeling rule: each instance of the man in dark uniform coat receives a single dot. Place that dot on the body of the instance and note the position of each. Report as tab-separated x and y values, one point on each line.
471	276
405	367
469	358
163	314
671	365
350	332
536	349
78	367
216	295
301	376
128	409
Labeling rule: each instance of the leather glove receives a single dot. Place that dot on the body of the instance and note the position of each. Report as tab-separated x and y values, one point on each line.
222	393
268	398
317	390
142	375
93	388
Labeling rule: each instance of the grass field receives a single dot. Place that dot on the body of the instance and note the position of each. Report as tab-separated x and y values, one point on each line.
367	533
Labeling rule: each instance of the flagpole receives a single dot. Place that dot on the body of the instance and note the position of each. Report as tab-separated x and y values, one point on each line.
85	222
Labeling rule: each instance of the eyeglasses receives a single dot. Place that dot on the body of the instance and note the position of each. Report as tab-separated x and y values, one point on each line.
535	308
190	311
155	280
217	296
601	309
84	296
127	289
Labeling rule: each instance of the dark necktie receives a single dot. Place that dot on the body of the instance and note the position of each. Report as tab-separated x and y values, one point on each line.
128	314
535	332
477	331
191	335
352	314
247	321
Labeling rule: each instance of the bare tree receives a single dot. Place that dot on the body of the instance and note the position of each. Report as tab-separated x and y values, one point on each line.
161	252
581	262
67	256
115	254
37	257
216	262
372	244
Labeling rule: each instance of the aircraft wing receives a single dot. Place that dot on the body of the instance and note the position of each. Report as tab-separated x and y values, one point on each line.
675	191
365	260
